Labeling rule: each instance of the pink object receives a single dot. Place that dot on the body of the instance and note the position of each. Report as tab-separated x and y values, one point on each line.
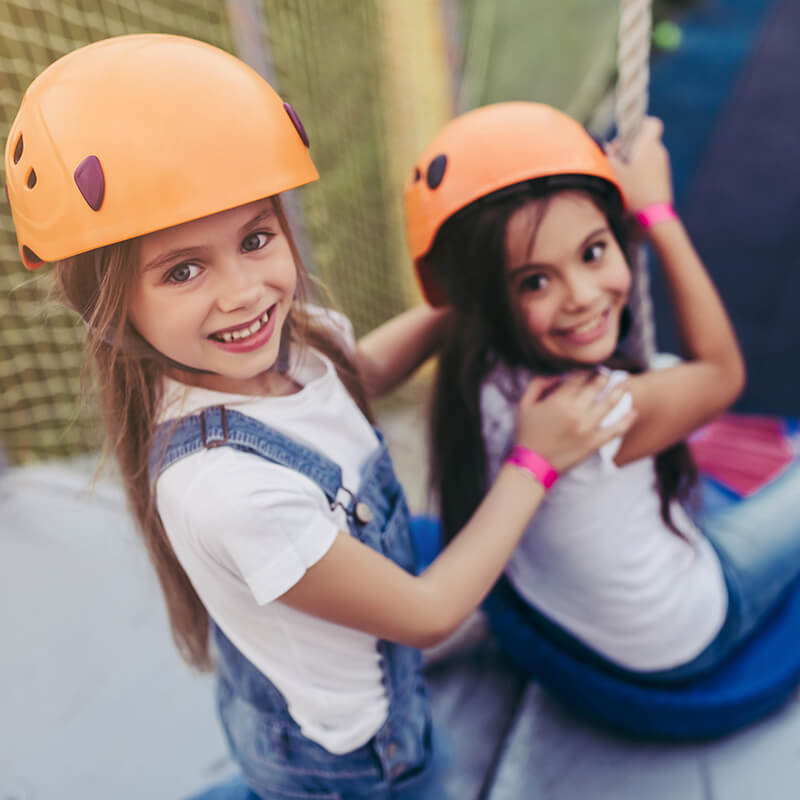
540	468
742	452
653	214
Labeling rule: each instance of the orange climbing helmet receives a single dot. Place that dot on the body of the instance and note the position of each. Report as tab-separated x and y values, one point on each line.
483	151
138	133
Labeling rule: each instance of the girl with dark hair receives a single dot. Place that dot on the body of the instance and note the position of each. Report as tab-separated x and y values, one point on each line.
240	415
518	221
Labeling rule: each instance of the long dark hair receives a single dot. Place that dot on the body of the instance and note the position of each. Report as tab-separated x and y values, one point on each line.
466	259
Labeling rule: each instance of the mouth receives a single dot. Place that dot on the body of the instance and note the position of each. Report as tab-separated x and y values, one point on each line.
587	331
237	333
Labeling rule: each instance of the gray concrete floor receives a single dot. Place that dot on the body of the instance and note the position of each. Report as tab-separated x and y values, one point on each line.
96	704
95	701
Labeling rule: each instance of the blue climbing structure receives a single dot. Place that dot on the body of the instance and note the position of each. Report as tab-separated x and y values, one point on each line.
729	100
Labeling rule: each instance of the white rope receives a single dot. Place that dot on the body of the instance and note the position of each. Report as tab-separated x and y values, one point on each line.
633	67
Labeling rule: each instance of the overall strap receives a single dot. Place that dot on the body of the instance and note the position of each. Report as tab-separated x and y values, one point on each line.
223	427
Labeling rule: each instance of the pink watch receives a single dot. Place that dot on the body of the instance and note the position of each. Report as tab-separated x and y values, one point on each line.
655	213
540	468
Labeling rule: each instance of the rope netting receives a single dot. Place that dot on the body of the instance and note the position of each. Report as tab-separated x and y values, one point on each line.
371	79
41	346
328	60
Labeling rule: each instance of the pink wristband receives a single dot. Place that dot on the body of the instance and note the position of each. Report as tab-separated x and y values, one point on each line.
541	469
655	213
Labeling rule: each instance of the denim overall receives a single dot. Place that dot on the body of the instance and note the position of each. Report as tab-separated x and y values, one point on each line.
277	760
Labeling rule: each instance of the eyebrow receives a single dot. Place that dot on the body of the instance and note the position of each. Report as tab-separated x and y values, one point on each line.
187	253
529	265
263	216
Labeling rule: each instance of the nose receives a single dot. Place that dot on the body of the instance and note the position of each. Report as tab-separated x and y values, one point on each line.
581	290
240	285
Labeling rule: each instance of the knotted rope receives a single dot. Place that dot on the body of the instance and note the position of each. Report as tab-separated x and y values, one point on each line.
633	68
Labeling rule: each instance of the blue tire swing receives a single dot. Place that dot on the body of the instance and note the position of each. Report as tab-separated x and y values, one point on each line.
754	682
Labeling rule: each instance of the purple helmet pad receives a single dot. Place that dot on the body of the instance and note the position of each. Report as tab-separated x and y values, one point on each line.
436	169
90	180
297	123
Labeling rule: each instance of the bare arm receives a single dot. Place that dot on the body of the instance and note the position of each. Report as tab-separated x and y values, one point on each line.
673	402
389	354
356	587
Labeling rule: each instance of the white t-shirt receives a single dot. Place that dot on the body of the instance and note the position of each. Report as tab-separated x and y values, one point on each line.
598	559
246	530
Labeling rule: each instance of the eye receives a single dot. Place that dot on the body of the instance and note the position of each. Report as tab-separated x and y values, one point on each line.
534	282
594	252
255	241
183	273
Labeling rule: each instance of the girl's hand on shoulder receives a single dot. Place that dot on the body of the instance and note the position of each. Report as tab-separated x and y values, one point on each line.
560	418
645	176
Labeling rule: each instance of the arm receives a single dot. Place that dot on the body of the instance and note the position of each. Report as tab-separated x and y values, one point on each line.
389	354
356	587
673	402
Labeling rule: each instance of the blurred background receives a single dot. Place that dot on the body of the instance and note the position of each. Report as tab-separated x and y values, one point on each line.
372	80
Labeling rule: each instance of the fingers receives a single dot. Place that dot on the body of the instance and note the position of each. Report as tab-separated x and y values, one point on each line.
652	127
605	400
588	387
619	428
586	393
582	380
561	388
538	387
650	130
602	404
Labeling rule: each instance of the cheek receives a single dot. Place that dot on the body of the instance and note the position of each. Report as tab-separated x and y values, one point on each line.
537	318
280	265
157	316
618	278
138	310
291	280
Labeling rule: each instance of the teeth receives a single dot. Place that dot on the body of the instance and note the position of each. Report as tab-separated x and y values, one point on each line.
588	326
243	333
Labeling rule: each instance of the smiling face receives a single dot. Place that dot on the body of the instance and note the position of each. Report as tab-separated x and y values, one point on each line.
213	294
567	277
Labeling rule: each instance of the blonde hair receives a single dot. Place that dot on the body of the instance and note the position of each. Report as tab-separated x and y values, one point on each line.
129	376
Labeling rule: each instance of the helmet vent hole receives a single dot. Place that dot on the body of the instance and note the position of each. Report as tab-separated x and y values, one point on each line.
30	257
417	174
31	182
18	150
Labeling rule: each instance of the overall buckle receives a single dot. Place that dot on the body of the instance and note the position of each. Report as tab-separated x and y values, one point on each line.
204	430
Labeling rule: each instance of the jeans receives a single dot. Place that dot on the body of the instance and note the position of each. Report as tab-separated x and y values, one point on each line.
758	542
